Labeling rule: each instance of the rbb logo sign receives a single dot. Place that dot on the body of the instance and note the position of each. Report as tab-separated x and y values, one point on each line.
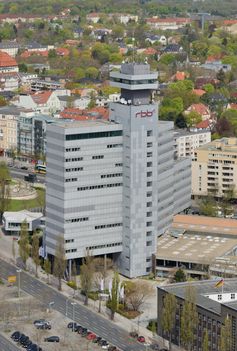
144	114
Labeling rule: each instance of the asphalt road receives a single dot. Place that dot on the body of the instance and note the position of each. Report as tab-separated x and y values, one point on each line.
20	173
6	345
83	316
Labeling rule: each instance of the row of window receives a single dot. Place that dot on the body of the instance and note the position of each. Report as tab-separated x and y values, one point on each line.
97	157
99	186
71	250
111	175
67	241
73	220
114	145
70	180
74	159
112	133
108	225
74	169
103	246
73	149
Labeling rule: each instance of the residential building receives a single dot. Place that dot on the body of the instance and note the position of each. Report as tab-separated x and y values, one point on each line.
93	17
214	304
9	81
7	63
126	18
187	141
8	127
46	84
12	221
216	66
154	38
113	186
173	23
40	101
201	109
180	247
214	168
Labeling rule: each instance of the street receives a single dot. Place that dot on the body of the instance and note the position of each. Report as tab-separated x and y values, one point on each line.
83	316
20	173
6	345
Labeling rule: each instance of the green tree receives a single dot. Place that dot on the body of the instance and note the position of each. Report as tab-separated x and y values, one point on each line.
35	252
59	261
92	72
209	88
189	318
207	206
4	188
47	268
180	276
226	335
87	270
74	276
23	242
114	295
167	59
205	343
168	315
192	118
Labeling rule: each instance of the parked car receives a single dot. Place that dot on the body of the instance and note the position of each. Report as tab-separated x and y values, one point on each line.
71	324
97	339
42	324
155	347
34	347
91	336
16	335
52	339
112	348
105	345
101	342
27	344
24	340
24	168
141	339
82	330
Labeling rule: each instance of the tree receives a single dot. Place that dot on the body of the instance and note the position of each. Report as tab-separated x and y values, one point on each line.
136	293
224	128
59	265
168	315
35	252
205	346
192	118
209	88
86	275
226	335
4	188
207	206
24	245
92	72
114	295
47	268
180	276
189	318
74	276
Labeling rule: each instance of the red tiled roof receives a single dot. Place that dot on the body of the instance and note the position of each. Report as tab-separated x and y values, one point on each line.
199	108
41	97
27	54
6	60
199	92
82	115
229	22
180	75
232	106
149	51
62	51
203	124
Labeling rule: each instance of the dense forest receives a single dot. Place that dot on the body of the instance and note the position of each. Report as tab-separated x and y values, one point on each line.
147	7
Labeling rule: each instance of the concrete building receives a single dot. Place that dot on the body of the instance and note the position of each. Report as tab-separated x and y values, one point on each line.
187	141
12	221
199	245
10	47
213	305
214	168
126	163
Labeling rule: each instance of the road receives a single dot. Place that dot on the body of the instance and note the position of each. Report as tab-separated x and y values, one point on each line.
20	173
83	316
6	345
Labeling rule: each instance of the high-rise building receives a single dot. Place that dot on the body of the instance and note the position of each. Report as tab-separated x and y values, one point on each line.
113	187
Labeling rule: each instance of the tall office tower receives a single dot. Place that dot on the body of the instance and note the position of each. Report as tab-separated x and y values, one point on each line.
113	187
84	188
151	179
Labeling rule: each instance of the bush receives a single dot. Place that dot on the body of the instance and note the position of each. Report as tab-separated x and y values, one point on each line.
93	295
151	324
72	285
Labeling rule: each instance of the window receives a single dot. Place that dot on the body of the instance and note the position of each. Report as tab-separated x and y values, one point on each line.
103	246
149	174
232	296
97	157
149	184
74	159
148	204
219	297
149	154
149	144
73	149
149	233
112	225
92	187
71	250
148	243
148	224
114	145
69	241
111	175
112	133
74	169
149	214
149	133
74	220
70	180
149	164
118	165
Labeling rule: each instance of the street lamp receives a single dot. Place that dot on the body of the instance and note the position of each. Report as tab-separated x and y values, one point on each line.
50	304
19	280
73	314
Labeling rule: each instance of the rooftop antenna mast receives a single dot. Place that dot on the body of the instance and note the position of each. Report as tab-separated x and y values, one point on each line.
133	49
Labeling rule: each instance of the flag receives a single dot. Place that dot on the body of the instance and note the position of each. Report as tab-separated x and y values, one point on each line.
219	284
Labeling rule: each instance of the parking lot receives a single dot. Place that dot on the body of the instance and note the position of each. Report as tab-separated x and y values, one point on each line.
19	315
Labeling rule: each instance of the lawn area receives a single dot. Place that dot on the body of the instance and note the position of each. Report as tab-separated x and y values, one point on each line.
18	205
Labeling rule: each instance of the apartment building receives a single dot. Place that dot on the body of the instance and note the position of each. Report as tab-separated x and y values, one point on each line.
214	168
113	186
185	141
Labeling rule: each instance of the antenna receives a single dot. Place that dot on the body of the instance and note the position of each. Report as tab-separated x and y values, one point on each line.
133	40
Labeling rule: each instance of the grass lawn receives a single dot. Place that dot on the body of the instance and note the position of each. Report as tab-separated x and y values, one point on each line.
18	205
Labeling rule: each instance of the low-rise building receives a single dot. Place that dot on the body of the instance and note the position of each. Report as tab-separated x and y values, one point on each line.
10	47
214	168
187	141
41	101
12	221
172	23
7	63
201	109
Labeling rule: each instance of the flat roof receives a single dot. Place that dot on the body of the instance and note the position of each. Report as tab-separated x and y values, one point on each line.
205	287
193	248
86	124
183	132
21	216
203	224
